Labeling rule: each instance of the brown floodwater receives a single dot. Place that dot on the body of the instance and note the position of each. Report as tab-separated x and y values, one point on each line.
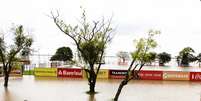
30	88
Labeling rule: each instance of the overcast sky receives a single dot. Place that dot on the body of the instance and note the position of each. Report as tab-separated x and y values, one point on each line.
178	20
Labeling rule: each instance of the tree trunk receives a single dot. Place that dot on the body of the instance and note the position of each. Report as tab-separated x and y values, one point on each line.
92	88
92	97
22	69
92	83
123	83
6	75
6	79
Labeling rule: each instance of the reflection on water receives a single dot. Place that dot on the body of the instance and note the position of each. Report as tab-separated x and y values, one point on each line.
7	95
92	97
29	88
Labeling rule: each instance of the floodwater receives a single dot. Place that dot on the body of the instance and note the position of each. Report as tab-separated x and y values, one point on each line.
30	88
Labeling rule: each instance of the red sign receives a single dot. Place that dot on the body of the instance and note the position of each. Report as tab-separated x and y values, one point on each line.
151	75
117	74
195	76
69	72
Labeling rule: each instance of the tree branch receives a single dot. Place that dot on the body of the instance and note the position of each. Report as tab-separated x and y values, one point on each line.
55	18
2	58
93	30
99	65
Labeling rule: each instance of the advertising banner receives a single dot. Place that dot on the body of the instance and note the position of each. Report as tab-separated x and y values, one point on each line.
52	72
16	72
151	75
69	72
195	76
117	74
103	74
175	75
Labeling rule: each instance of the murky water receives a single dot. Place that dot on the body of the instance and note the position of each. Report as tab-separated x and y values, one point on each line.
29	88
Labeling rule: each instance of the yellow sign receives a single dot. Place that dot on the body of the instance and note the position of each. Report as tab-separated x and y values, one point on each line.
45	71
102	74
172	75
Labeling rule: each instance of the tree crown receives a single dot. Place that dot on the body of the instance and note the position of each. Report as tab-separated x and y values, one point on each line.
143	46
90	38
21	41
62	54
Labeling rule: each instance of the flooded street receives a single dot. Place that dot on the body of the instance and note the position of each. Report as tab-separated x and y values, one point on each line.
30	88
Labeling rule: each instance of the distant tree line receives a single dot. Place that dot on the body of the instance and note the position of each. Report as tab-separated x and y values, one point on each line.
184	58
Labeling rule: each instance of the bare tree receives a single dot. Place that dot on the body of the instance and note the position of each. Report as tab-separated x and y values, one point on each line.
91	40
123	55
140	57
8	54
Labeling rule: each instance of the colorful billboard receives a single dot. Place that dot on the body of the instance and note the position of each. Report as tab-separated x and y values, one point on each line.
175	75
16	72
52	72
103	74
117	74
151	75
195	76
69	72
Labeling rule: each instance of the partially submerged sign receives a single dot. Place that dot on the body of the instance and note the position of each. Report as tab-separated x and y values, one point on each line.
69	72
175	75
16	72
151	75
103	74
195	76
49	72
117	74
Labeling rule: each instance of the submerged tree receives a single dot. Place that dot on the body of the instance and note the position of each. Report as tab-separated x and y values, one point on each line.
164	58
123	56
62	54
8	53
140	56
186	56
91	40
151	56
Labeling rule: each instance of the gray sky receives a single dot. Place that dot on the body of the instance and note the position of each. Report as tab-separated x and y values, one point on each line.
178	20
